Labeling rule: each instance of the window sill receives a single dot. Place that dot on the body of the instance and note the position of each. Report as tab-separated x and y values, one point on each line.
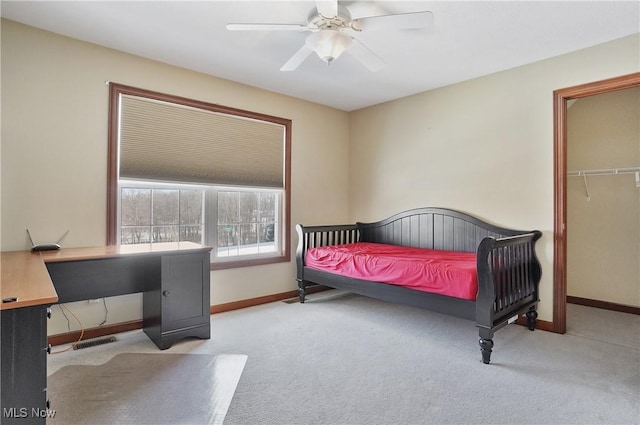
233	264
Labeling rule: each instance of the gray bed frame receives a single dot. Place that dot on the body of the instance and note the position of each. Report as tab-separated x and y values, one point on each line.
507	267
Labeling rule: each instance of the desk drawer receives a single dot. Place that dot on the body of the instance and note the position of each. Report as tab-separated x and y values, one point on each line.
88	279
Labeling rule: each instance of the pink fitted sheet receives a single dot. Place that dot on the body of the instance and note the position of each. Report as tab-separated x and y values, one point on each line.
442	272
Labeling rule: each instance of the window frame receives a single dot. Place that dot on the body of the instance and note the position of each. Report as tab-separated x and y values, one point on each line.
115	90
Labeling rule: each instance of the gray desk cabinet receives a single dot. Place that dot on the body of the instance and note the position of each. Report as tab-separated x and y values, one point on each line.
179	306
24	365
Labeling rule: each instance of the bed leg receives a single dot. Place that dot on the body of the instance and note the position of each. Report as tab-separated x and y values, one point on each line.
302	290
301	294
532	315
485	347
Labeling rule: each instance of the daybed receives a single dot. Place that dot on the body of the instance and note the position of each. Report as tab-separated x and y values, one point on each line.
507	271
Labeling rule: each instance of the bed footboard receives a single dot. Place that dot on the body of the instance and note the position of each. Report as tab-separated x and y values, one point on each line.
315	236
508	276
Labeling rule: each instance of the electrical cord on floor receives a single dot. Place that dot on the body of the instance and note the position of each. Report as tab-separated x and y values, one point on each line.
62	308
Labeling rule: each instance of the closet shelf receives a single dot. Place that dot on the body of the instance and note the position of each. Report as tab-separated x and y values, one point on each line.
604	171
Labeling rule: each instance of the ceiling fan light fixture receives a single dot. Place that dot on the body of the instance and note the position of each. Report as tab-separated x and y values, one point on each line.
330	25
329	44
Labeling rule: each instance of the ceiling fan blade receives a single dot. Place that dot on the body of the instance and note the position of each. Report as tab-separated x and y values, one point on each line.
266	27
366	56
297	59
402	21
327	8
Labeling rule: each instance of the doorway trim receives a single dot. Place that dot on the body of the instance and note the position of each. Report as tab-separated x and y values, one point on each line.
560	98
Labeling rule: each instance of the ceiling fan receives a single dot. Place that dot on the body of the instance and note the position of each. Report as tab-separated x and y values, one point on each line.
332	33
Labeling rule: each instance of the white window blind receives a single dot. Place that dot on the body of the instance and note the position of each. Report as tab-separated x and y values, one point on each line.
170	142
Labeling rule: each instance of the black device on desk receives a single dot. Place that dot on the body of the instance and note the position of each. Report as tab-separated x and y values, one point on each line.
46	246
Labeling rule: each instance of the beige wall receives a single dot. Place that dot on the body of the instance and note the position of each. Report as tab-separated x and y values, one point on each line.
54	147
603	231
484	146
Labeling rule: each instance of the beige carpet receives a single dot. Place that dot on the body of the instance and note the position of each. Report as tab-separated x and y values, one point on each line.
134	388
341	359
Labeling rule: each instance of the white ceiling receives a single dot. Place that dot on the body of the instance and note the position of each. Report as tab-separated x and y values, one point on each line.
469	39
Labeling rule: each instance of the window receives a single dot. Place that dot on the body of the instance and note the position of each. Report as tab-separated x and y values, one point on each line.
185	170
247	223
153	215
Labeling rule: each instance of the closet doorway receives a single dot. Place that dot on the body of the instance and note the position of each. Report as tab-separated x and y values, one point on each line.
562	98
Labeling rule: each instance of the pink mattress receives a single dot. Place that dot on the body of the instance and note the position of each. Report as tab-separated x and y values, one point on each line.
441	272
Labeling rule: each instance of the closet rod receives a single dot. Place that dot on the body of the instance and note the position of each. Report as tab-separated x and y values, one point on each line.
604	171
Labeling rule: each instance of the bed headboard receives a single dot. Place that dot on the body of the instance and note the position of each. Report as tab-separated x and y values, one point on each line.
435	228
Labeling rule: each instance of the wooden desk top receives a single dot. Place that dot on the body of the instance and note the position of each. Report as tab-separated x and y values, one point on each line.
23	274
